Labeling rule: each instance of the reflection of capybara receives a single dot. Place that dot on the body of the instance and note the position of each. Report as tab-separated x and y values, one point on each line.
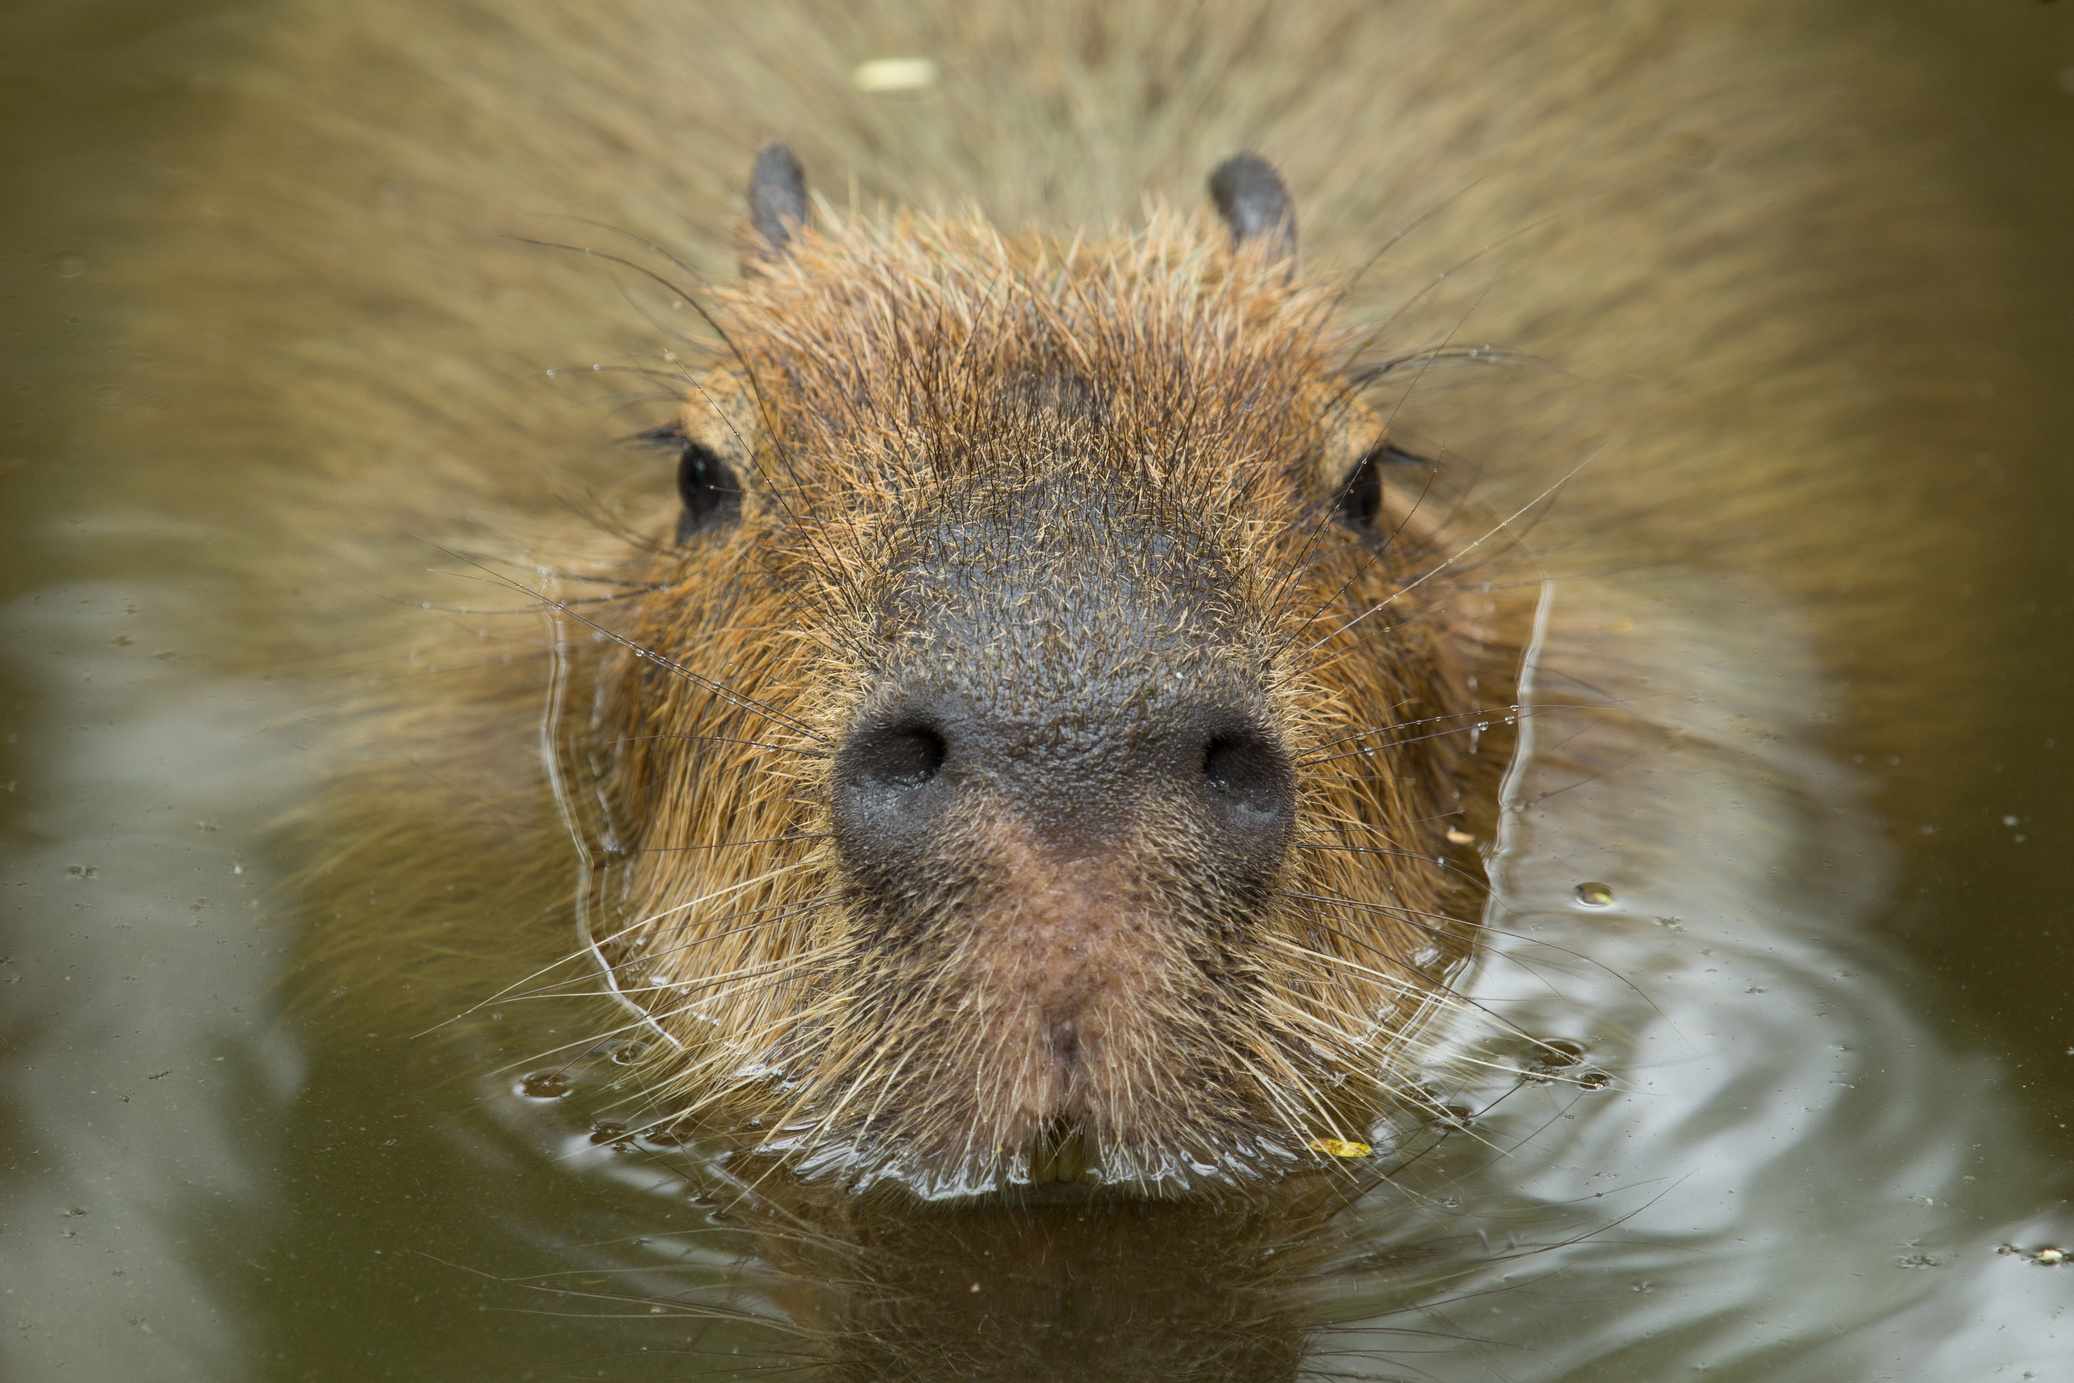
1051	733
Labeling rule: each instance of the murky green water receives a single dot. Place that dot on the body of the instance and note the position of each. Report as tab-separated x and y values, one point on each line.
1842	1050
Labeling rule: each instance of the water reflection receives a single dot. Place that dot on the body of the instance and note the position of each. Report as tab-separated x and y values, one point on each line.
139	1008
1045	1283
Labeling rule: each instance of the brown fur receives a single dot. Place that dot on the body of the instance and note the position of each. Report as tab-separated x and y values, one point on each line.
874	383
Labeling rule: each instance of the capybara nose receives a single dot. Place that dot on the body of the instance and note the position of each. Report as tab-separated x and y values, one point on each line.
1213	776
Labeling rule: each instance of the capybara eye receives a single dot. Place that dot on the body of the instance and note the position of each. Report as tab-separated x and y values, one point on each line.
708	488
1359	499
1246	772
1361	493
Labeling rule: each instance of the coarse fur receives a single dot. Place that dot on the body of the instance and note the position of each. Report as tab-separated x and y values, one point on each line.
1745	302
1122	469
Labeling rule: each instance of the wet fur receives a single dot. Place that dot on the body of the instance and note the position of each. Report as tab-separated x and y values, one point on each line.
1117	466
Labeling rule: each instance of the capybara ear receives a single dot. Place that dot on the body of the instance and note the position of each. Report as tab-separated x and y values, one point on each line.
1254	204
777	206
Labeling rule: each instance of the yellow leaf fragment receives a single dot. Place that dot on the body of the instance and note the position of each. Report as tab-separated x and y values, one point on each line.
1340	1147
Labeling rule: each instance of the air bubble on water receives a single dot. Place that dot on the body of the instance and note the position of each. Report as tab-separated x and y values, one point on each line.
2009	820
544	1085
68	266
1595	895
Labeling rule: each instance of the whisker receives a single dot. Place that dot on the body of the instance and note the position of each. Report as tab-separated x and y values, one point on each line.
722	739
1497	714
720	689
1471	547
731	844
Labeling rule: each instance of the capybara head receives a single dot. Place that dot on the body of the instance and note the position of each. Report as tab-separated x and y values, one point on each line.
1034	750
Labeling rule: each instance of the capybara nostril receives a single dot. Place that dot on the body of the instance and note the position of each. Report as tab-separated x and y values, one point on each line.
1075	773
887	783
1251	779
893	758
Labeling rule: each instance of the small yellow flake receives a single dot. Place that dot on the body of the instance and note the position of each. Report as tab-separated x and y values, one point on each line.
894	74
1340	1147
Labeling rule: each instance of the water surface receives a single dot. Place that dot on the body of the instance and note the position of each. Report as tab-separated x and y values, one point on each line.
1836	1047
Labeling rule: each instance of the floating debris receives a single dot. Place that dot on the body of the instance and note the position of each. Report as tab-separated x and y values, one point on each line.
2047	1257
1340	1147
894	74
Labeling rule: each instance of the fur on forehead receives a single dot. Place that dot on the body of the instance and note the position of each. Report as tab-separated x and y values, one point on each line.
892	365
